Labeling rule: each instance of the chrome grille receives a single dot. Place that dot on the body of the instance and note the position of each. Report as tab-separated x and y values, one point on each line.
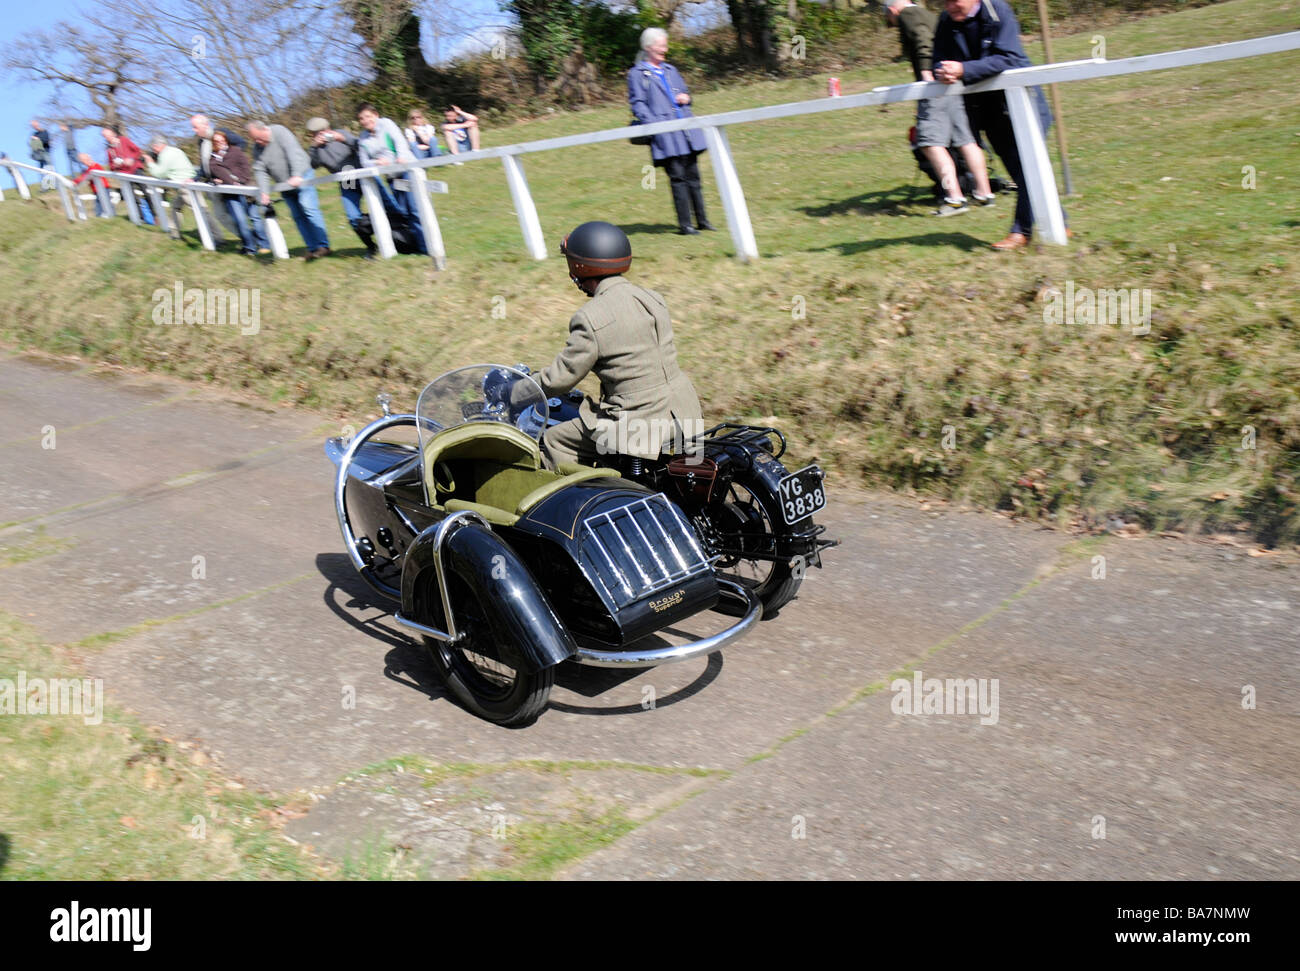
638	549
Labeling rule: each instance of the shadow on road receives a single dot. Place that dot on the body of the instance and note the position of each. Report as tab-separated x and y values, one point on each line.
408	663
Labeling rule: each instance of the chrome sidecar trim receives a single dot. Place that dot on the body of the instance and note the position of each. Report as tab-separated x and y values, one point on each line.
683	652
439	536
619	554
340	504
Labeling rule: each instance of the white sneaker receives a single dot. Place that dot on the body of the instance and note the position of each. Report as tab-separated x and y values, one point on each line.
952	207
987	200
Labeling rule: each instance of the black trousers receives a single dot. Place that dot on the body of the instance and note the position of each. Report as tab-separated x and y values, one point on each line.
684	179
988	114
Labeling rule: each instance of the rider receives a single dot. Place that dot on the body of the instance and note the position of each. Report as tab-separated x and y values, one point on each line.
624	335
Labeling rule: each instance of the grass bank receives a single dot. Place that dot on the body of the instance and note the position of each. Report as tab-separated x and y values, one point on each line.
894	347
94	795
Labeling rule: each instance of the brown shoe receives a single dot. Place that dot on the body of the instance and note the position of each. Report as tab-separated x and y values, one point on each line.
1013	241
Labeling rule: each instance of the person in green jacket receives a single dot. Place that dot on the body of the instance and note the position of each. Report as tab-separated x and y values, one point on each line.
624	336
169	163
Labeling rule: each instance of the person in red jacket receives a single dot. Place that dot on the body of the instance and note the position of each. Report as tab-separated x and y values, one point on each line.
125	156
88	168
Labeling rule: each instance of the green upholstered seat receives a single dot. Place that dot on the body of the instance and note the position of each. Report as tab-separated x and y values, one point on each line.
560	481
494	469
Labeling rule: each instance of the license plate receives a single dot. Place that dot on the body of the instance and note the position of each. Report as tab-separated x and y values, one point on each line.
801	494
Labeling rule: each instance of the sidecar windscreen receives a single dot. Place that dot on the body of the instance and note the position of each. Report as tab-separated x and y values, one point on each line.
481	393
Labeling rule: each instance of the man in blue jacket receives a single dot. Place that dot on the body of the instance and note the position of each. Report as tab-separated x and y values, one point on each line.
975	40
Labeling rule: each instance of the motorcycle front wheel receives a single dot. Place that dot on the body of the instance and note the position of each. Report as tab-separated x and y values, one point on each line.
742	528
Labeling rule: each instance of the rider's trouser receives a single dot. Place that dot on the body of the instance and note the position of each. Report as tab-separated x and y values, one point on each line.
569	441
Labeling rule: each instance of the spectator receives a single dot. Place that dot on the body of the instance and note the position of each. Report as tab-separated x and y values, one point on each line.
334	151
988	28
88	167
277	157
169	163
39	144
940	122
203	131
382	143
125	156
228	165
461	131
657	92
421	136
70	147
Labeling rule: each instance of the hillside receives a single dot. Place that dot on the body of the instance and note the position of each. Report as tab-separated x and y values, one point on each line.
895	348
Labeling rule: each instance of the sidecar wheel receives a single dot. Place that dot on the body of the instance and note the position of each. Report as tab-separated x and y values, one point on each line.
486	685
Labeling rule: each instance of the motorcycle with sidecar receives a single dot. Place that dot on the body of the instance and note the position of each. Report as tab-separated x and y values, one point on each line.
507	567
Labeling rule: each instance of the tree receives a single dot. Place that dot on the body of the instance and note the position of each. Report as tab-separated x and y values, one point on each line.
390	30
94	76
155	62
755	23
561	38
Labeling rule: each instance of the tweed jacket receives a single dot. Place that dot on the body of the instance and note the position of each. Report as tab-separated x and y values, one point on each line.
625	336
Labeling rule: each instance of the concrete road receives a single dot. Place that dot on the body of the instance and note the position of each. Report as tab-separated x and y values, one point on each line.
1133	707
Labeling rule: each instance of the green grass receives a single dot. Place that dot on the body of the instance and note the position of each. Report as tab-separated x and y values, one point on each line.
113	801
911	324
31	546
541	849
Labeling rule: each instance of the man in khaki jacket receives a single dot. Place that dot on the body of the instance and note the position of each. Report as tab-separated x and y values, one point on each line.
623	334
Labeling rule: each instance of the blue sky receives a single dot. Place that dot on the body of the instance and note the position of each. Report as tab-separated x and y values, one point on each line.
19	103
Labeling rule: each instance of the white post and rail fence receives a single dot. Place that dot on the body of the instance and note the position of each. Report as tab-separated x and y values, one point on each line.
1040	177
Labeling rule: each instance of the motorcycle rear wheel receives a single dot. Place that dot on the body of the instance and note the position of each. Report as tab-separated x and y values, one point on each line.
744	522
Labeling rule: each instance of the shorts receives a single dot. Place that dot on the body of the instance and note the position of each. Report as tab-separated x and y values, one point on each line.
942	122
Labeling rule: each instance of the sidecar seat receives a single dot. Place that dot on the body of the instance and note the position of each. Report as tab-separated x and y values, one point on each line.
494	469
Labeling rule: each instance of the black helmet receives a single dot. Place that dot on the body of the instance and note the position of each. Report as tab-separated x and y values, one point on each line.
596	249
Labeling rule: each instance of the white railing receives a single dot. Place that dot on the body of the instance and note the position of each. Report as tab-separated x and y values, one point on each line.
1039	176
165	218
72	206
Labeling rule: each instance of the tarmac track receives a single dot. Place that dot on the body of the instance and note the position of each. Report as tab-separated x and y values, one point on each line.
1121	746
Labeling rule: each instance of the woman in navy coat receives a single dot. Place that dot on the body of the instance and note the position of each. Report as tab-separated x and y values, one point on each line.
657	92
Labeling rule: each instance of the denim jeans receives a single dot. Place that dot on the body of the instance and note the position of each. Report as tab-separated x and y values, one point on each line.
404	202
304	205
351	196
248	222
141	202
